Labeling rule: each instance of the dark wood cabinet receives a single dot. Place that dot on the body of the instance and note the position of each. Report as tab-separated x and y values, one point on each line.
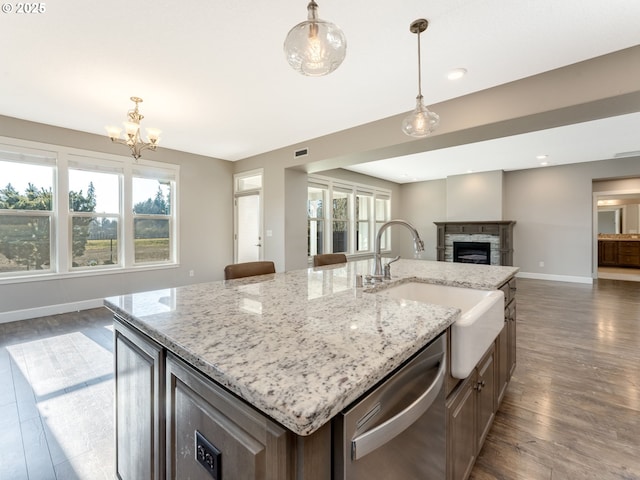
166	410
461	430
473	402
249	445
139	397
619	253
506	342
470	412
629	254
607	253
485	388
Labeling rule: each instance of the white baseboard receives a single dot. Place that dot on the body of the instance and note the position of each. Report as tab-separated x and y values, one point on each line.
555	278
50	310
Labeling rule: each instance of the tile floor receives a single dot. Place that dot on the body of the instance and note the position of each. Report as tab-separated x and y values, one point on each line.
56	398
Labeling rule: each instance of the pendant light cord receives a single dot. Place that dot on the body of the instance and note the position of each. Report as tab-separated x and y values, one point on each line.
419	69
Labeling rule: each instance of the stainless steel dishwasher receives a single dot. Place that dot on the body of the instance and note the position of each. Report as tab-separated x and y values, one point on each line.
397	431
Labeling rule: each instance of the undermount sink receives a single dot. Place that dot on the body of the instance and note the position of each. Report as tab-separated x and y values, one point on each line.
481	318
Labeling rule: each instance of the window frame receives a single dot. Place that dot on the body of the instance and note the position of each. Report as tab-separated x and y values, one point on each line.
41	157
140	170
323	221
354	189
65	159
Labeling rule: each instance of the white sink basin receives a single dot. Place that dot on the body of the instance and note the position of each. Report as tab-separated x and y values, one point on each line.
481	318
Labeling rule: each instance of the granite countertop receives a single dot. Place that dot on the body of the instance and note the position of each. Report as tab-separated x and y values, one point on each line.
620	237
300	345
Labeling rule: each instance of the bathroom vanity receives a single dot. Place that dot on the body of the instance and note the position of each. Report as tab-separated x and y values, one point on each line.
248	379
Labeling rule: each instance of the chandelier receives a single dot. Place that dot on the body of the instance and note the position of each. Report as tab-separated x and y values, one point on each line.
315	47
132	138
421	122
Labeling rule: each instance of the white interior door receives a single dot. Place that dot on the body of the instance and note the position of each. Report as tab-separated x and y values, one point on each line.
248	224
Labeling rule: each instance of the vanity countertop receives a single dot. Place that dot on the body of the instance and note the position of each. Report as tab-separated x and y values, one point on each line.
620	237
301	345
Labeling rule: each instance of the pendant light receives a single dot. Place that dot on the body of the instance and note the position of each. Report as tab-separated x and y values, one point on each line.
315	47
421	122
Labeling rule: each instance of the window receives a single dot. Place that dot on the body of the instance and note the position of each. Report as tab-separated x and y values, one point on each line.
382	215
94	213
26	212
247	217
356	213
152	220
364	208
316	201
63	211
341	200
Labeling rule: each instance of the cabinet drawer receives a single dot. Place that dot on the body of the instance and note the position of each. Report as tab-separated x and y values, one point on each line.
629	260
624	250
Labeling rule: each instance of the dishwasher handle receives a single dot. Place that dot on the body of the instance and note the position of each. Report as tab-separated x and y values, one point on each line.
385	432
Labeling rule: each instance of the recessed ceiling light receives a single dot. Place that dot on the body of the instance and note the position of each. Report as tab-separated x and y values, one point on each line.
542	157
456	73
544	164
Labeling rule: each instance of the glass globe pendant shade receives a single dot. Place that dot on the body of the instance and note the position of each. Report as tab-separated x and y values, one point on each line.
421	122
315	47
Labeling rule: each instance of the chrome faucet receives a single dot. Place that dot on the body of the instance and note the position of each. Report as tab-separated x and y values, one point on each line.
418	245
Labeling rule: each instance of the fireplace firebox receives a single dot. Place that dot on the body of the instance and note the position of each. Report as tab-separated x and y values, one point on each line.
472	252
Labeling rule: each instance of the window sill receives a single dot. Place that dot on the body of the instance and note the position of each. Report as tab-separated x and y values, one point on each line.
84	273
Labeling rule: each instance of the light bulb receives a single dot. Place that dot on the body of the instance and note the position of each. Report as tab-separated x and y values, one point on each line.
113	132
421	122
315	47
153	134
131	128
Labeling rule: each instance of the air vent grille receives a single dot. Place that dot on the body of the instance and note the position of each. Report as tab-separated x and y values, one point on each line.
634	153
301	153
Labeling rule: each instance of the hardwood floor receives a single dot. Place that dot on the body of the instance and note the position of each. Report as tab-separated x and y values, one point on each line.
572	410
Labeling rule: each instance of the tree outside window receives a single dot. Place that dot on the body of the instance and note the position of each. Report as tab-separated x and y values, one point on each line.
341	203
25	238
152	220
94	218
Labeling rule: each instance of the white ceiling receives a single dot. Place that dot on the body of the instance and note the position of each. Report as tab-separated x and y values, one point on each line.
214	79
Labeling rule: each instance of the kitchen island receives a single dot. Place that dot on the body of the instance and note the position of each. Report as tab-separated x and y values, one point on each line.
296	347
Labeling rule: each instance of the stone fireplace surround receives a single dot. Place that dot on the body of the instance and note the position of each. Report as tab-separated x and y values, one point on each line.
498	233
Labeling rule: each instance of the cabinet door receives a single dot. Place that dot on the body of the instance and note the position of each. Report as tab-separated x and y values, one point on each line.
485	386
502	362
461	430
607	252
248	445
511	325
139	391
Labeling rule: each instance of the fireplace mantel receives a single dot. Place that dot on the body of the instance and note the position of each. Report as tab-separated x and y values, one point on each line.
503	229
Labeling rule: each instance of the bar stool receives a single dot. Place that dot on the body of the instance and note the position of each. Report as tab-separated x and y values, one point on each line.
248	269
329	259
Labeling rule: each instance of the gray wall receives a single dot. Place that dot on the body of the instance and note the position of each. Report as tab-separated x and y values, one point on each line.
475	196
553	207
422	204
576	93
205	211
555	211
